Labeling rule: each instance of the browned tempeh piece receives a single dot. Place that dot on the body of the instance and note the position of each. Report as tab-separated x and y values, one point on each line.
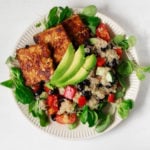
35	63
76	30
56	38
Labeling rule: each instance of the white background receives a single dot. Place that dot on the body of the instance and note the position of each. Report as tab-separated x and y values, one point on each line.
16	132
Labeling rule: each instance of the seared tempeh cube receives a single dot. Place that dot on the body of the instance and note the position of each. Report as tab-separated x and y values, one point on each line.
35	63
57	39
76	30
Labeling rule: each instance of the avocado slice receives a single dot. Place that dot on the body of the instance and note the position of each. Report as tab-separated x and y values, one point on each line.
83	72
79	59
77	78
90	62
64	64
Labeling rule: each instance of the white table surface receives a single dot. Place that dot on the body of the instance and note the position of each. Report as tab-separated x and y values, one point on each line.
16	132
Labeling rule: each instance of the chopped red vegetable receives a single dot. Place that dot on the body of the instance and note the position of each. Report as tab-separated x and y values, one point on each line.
82	101
52	103
102	32
66	118
70	92
111	98
119	52
100	61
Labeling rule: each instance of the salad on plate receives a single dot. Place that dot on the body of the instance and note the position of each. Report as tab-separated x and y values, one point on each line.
76	72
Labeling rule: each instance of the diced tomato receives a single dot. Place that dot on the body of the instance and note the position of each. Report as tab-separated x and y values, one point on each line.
70	92
82	101
66	118
119	52
46	89
111	98
102	32
36	88
100	61
52	103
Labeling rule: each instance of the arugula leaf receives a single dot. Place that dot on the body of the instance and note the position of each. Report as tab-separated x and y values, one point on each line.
125	68
8	83
124	108
104	123
89	10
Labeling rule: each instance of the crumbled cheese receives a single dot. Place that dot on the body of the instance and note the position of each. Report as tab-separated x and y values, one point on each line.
101	44
66	106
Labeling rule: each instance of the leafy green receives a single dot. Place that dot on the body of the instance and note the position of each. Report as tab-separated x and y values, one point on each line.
38	24
84	114
123	42
22	93
120	93
124	108
123	81
91	21
39	113
8	83
74	125
57	15
104	123
125	68
89	10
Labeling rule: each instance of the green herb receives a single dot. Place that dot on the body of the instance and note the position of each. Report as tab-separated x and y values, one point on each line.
123	42
141	70
22	93
57	15
91	21
89	18
39	113
7	83
124	108
74	125
84	114
89	10
125	68
104	123
38	24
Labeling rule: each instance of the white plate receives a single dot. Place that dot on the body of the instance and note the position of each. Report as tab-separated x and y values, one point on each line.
82	131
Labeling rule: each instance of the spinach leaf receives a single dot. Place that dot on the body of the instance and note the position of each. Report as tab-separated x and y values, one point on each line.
8	83
124	108
57	15
104	123
39	113
91	21
120	93
123	81
125	68
123	42
84	115
89	10
22	93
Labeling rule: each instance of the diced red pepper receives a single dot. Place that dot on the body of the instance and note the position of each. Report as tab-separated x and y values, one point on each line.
100	61
70	92
111	98
52	103
82	101
102	32
66	118
119	52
